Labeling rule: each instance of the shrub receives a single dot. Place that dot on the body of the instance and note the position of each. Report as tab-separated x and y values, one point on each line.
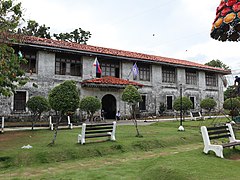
208	104
90	104
232	104
186	104
37	105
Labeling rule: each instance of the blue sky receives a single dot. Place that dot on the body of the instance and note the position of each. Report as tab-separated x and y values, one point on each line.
171	28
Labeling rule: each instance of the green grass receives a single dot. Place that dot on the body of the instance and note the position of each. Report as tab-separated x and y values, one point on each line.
162	153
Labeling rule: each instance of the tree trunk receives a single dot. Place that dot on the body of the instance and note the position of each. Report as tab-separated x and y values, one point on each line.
56	130
33	119
135	120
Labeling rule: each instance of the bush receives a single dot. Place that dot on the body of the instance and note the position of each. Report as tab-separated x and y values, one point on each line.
90	104
186	104
231	104
208	104
37	105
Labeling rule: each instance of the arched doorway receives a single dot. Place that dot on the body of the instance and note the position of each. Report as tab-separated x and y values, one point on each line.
109	106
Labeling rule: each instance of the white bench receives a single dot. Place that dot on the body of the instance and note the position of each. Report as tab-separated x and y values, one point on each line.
220	132
97	130
51	124
196	116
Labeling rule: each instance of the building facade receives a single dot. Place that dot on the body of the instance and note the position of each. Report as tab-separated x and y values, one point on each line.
159	79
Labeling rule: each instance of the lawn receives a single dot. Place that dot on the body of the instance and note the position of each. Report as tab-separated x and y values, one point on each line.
162	153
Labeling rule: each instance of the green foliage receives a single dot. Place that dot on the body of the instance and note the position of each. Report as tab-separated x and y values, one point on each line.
34	29
64	97
231	104
90	104
11	75
230	92
131	95
38	104
78	35
186	104
208	104
217	63
11	14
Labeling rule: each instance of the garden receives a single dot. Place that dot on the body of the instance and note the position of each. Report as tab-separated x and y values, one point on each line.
162	152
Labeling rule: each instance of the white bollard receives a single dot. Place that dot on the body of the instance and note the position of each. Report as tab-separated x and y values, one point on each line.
50	123
69	123
2	128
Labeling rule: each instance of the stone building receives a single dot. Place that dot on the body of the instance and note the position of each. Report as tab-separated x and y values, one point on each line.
159	80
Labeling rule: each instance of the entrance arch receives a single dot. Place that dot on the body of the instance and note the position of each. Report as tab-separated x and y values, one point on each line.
109	106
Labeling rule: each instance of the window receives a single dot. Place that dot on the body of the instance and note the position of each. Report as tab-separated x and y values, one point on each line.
30	65
109	69
193	102
142	104
68	65
211	79
169	75
191	77
19	99
144	72
169	102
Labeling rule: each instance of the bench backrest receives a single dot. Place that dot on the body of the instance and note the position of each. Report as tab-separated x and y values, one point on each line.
218	132
98	128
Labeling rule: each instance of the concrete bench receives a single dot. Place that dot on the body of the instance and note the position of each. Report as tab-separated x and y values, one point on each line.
68	123
220	132
196	115
96	131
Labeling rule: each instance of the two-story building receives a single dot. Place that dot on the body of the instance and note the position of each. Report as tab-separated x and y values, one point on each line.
159	79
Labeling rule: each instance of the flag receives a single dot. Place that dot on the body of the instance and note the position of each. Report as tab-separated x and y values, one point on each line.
135	71
98	68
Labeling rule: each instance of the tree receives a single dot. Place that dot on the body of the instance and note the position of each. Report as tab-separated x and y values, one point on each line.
11	74
90	104
208	104
186	104
132	97
64	99
232	104
37	105
217	63
78	35
34	29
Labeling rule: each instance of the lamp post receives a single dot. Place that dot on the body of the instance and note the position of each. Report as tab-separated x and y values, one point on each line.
181	128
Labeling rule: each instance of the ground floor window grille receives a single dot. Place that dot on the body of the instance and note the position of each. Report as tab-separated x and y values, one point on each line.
142	105
19	103
169	102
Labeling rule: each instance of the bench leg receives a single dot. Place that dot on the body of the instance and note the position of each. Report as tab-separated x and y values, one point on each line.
217	149
81	139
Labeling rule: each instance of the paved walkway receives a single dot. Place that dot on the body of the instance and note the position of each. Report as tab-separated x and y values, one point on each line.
121	122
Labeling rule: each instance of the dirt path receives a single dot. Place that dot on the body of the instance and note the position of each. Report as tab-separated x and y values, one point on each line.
35	172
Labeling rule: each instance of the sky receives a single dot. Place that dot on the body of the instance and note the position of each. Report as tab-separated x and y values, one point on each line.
170	28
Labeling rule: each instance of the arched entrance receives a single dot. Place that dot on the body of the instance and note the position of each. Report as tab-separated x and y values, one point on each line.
109	106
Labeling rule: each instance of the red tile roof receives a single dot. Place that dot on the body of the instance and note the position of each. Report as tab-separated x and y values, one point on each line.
109	80
114	52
